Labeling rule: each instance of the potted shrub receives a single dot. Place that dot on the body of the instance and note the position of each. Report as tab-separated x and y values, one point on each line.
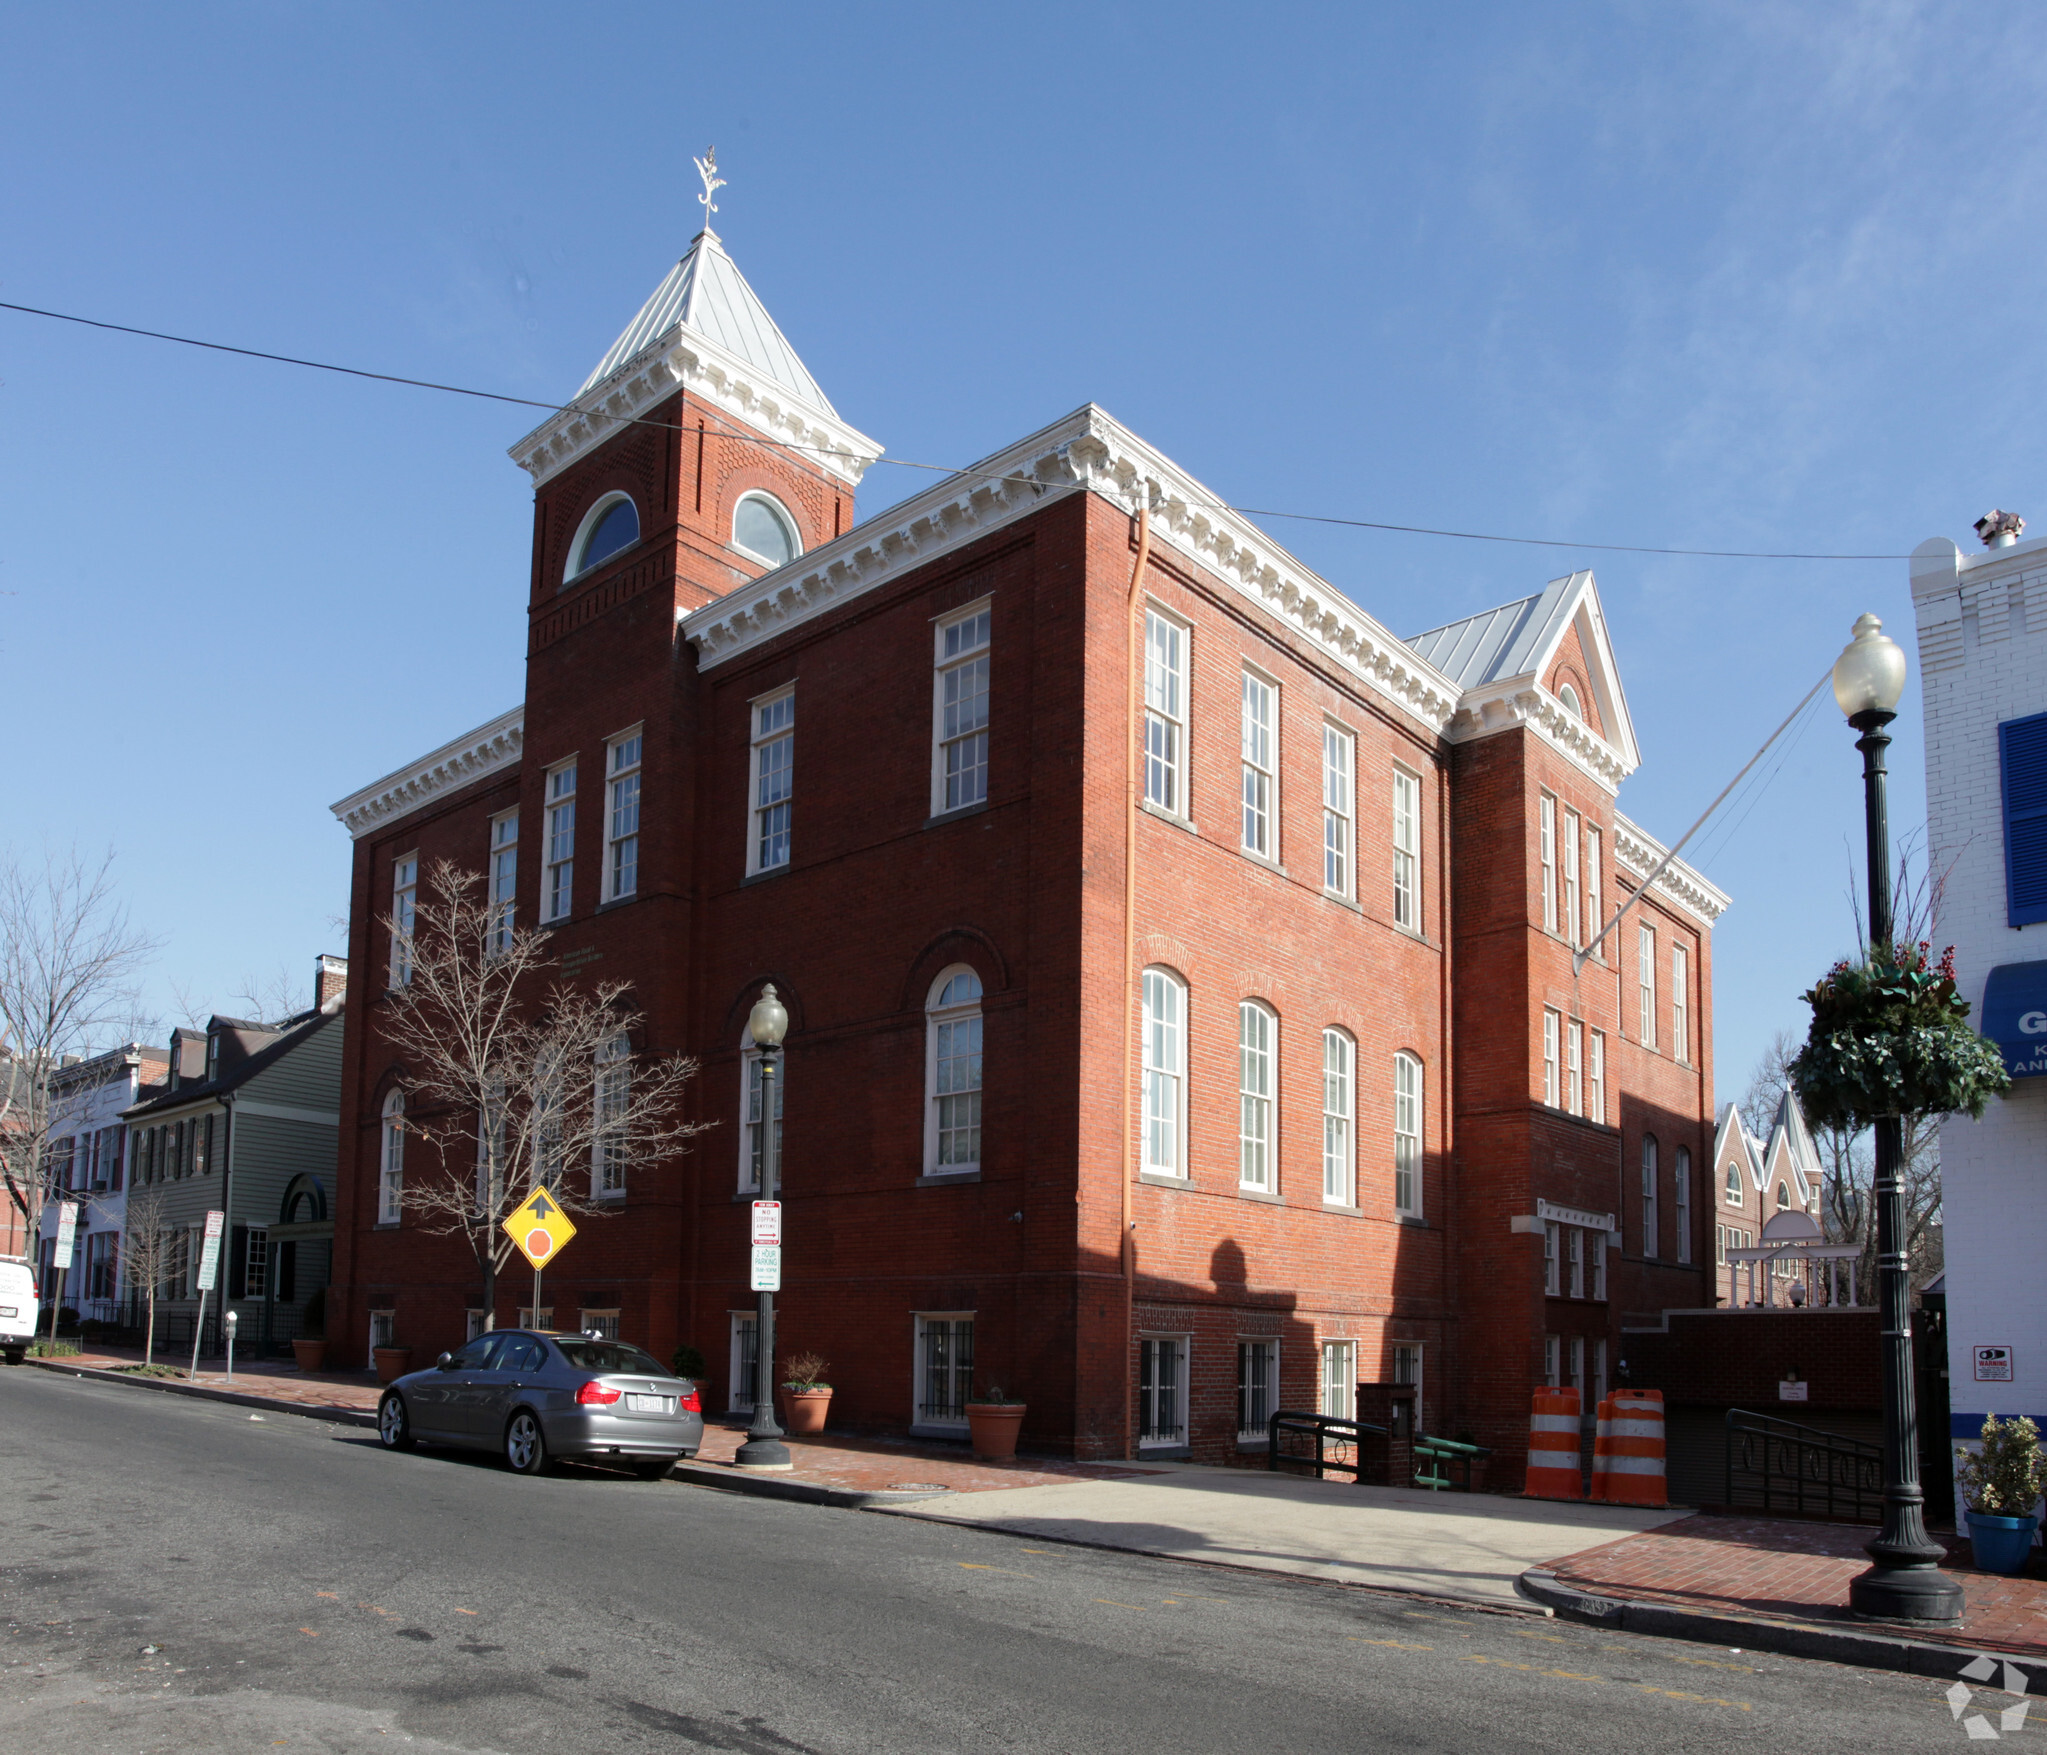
805	1394
392	1362
2001	1485
310	1346
993	1423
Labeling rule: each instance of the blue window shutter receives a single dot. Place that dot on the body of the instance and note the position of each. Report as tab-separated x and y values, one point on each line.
2022	753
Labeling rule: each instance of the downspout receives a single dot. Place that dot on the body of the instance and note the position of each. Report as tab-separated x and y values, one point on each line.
1133	665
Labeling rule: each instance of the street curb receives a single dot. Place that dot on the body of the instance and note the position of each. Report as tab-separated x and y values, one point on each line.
726	1480
340	1416
1868	1650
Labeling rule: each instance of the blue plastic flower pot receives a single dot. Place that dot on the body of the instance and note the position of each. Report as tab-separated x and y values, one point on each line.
2001	1544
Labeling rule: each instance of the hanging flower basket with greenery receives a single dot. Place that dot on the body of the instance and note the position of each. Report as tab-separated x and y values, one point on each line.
1889	1037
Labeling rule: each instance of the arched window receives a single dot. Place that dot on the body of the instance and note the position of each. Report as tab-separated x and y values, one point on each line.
612	525
1649	1229
1339	1143
1407	1134
613	1093
1165	1074
762	526
1569	697
952	1074
1257	1029
391	1168
752	1137
1734	1185
1783	1195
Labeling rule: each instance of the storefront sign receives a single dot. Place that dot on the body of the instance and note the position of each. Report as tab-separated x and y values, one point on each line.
2015	1017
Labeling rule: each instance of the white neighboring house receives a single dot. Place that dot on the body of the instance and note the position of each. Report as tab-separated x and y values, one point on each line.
88	1164
1983	682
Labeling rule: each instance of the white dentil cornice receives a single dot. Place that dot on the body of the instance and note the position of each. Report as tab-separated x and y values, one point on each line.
681	358
1639	851
1087	452
483	751
1521	701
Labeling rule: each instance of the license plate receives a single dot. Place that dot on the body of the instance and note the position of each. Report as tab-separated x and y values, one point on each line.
647	1404
9	1310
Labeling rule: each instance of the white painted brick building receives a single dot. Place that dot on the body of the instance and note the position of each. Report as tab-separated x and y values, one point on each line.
1983	665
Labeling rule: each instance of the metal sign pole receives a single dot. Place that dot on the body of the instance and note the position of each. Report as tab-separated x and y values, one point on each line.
198	1329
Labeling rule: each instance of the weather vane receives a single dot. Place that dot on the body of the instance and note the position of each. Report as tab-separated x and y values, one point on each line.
707	168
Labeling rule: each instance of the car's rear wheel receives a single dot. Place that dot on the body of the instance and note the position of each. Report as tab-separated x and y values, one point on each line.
652	1468
525	1446
394	1426
15	1355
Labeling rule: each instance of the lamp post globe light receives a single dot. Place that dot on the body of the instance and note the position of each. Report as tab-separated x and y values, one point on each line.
767	1024
1905	1583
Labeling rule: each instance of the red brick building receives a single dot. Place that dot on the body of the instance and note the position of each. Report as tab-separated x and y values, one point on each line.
1315	1095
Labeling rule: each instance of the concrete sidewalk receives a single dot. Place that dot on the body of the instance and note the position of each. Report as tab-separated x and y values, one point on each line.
1460	1547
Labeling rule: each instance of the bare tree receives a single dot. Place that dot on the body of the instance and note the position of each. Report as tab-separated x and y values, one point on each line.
69	959
145	1257
508	1088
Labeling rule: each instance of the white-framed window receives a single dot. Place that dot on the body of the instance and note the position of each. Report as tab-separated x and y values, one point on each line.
761	525
255	1262
1649	1173
1165	1074
1552	1361
952	1074
945	1368
1261	766
1337	1394
1407	1134
1598	1372
1552	1028
549	1164
622	816
1552	1258
383	1332
1339	803
604	1322
771	782
745	1352
1578	1367
1407	851
391	1161
608	528
1161	1391
752	1138
1546	836
1339	1119
1165	713
1574	1255
1257	1031
959	726
529	1317
1257	1387
1595	1077
1574	1067
1645	978
613	1093
558	879
1593	903
1406	1359
1783	1195
404	903
1596	1242
1681	1207
474	1323
1733	1184
1571	914
504	878
1680	1003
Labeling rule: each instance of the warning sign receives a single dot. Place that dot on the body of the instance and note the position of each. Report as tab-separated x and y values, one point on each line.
1993	1364
539	1228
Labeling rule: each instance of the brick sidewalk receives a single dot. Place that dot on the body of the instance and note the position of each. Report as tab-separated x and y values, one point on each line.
276	1379
1796	1572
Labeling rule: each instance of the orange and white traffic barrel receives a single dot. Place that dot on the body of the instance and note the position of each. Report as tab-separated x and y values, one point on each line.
1601	1433
1553	1471
1629	1459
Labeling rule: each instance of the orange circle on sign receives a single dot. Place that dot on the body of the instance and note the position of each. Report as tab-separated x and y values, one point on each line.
539	1241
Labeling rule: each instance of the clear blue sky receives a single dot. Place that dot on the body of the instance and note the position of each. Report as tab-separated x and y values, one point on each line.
1758	277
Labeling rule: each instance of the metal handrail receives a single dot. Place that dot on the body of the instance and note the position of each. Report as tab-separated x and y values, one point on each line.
1788	1467
1323	1428
1436	1455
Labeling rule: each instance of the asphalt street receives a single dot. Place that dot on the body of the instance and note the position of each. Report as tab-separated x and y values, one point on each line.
178	1576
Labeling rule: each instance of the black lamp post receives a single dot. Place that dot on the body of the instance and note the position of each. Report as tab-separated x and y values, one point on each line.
1906	1583
764	1449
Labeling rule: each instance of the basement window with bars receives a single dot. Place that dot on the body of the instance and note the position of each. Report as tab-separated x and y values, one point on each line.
945	1369
1161	1392
1257	1388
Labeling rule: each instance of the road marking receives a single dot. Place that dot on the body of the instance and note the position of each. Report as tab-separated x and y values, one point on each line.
1475	1657
465	1611
335	1594
976	1566
1708	1699
1710	1663
1139	1607
1397	1644
307	1631
1551	1637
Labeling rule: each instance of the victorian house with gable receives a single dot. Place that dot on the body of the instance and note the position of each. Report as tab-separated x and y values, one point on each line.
1187	1013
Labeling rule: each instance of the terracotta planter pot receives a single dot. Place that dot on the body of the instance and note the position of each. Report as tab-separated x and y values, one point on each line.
392	1363
803	1410
311	1355
993	1427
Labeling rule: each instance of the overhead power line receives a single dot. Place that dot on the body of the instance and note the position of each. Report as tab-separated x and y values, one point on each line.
285	359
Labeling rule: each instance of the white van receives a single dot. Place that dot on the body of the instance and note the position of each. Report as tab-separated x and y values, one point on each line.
18	1308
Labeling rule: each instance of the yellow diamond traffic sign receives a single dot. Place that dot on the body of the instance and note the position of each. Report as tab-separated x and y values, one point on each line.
540	1228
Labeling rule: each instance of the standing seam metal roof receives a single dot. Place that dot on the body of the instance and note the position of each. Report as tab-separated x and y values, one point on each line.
1500	642
706	292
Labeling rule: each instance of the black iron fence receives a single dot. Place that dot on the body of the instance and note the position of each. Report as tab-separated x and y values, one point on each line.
1778	1465
1323	1442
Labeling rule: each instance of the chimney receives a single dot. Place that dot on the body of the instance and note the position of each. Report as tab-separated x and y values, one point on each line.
1999	529
330	982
